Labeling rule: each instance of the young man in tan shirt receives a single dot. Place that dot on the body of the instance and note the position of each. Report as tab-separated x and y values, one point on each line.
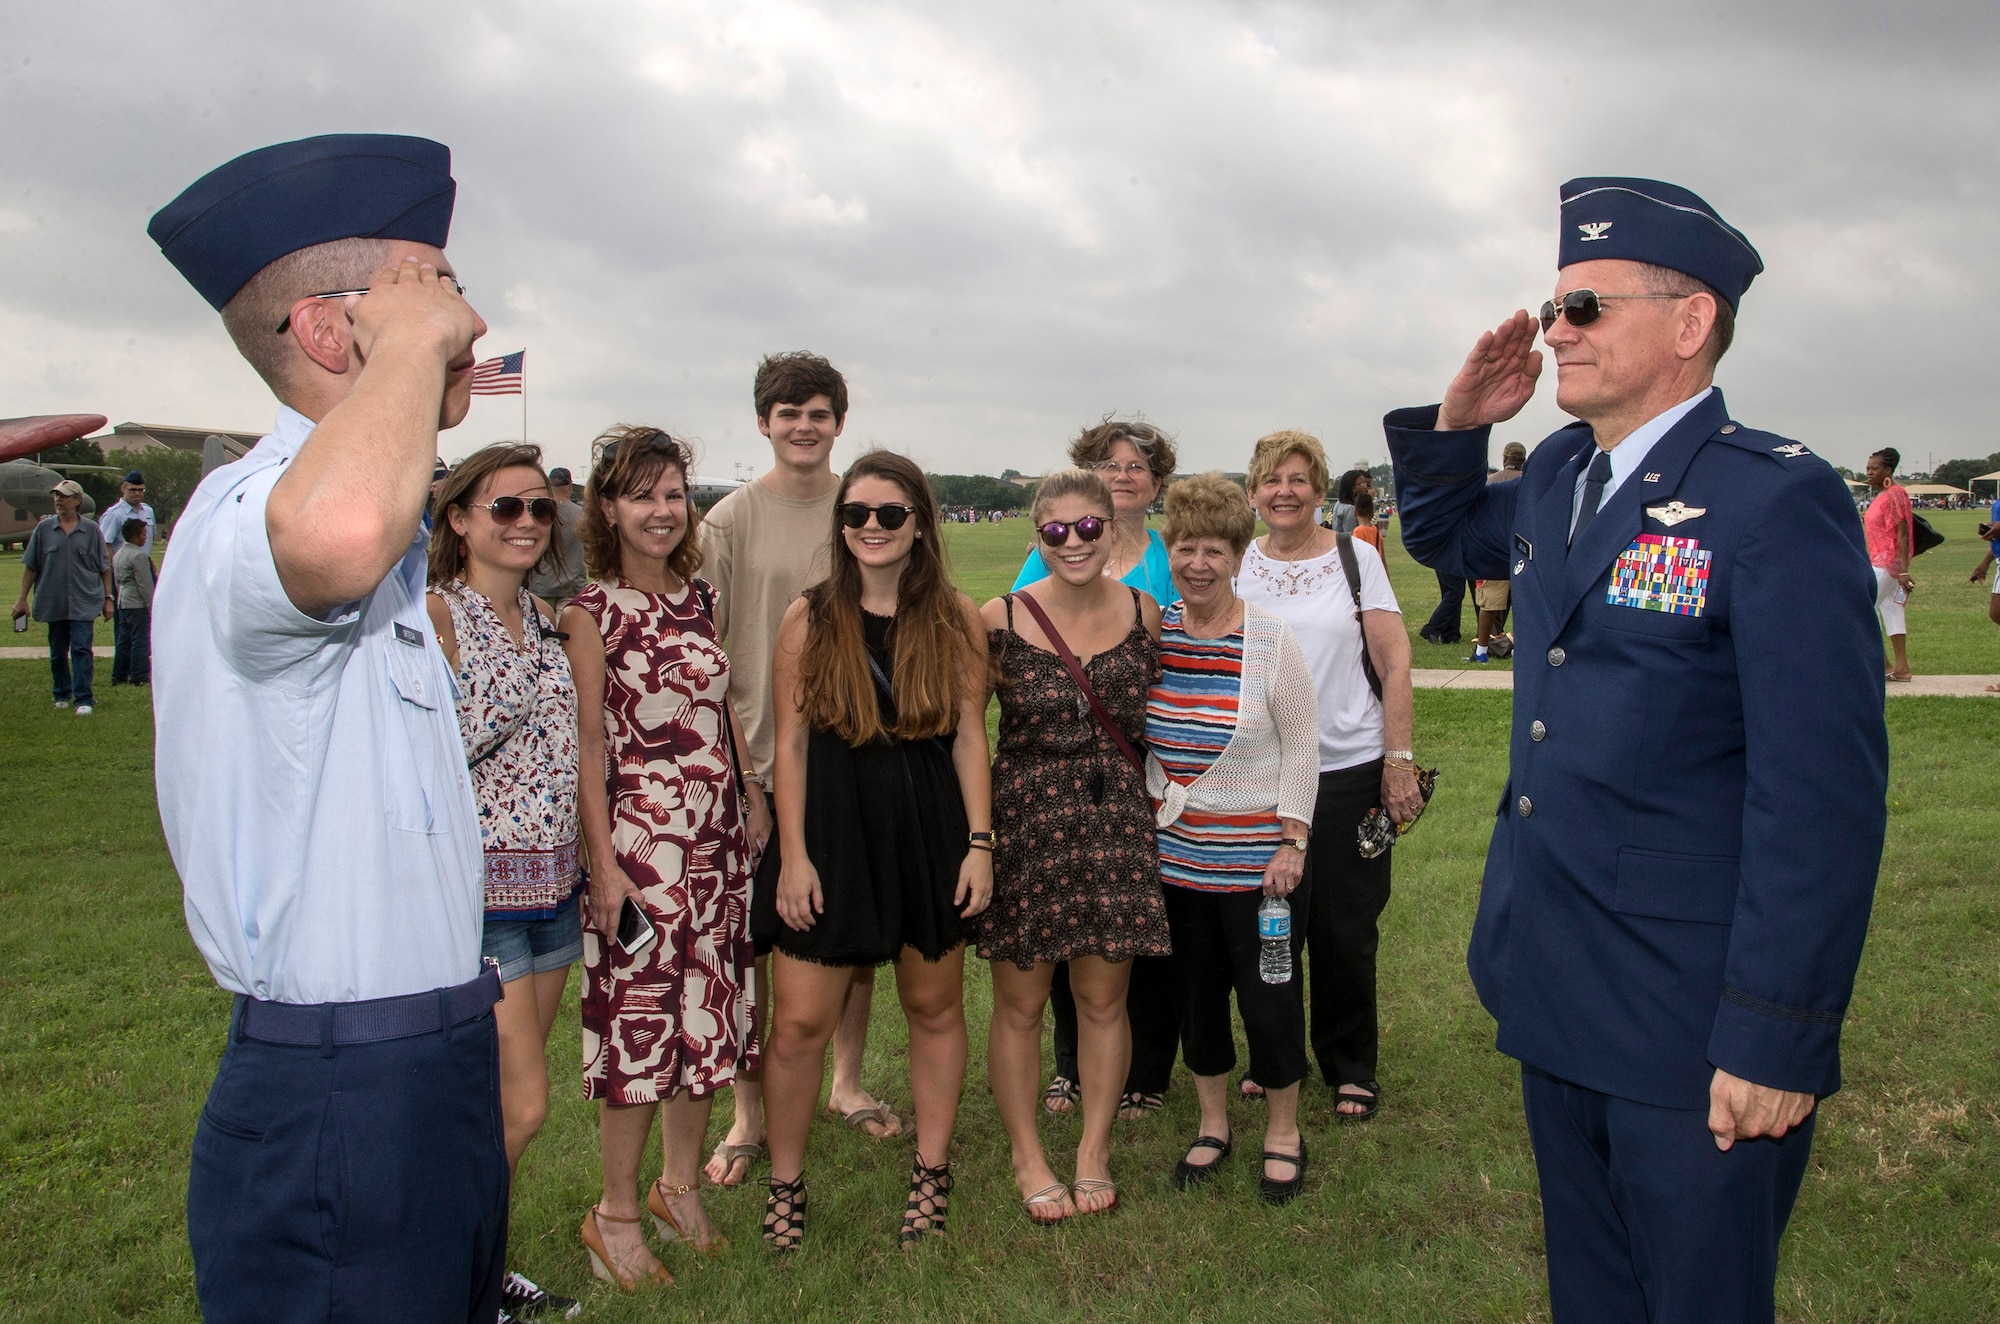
763	545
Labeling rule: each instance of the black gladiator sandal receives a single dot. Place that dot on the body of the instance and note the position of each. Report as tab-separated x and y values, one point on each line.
930	1198
785	1213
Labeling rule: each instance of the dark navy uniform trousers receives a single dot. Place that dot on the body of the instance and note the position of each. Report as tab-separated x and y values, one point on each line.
1647	1222
351	1181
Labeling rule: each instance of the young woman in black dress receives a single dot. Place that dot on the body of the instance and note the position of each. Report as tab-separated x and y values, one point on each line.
1077	874
884	846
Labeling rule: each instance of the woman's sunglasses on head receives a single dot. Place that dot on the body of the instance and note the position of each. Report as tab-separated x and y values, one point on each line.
1582	307
507	509
1056	532
891	515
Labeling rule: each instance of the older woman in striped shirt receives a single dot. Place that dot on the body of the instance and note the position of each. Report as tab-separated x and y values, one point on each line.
1233	726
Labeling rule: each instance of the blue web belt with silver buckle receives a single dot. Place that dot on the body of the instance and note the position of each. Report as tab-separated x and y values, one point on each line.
371	1021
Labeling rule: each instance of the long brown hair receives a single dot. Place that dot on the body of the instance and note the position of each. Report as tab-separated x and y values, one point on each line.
930	642
446	558
629	460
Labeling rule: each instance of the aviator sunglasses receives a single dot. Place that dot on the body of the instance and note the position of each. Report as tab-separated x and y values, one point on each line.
507	509
891	515
1055	533
1582	307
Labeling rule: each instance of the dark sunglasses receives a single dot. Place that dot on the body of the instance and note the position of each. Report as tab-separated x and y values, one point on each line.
1582	307
1055	533
508	509
890	515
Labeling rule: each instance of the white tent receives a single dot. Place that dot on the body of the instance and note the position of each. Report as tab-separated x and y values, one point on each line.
1935	490
1992	478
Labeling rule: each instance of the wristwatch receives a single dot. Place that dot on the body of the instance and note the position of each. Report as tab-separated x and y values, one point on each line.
984	840
1296	843
1400	755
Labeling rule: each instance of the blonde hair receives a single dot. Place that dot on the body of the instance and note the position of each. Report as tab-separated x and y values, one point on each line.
1275	448
1209	506
1070	482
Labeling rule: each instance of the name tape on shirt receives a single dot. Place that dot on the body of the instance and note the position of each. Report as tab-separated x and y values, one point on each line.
409	635
1658	573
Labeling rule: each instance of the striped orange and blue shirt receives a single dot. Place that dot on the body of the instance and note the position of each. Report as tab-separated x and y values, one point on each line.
1190	717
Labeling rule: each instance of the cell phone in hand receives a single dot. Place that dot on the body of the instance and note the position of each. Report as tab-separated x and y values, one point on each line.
635	930
21	623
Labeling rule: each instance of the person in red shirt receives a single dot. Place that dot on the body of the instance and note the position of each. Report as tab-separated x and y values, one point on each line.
1887	522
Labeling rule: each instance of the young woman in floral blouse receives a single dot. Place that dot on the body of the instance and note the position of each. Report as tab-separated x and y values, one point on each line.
517	716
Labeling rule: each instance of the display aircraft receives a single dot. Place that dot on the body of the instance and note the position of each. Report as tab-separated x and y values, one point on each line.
24	484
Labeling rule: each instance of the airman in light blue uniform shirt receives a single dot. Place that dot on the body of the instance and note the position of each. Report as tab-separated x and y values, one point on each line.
311	780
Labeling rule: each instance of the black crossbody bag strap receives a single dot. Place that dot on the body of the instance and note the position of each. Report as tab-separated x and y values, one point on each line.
1352	565
707	600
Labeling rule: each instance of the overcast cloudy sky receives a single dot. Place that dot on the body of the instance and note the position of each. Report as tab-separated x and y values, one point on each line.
1003	220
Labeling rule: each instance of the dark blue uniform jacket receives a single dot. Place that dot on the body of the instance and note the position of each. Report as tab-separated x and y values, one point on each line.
1685	855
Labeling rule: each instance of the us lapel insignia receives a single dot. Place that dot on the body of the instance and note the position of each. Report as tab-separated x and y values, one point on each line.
1652	478
1792	450
1674	513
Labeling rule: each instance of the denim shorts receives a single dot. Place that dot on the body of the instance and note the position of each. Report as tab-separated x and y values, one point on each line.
532	946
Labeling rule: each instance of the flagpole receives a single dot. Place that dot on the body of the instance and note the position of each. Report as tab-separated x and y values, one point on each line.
524	397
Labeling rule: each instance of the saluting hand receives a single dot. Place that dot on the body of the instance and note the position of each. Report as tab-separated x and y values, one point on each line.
409	304
1740	1110
1497	379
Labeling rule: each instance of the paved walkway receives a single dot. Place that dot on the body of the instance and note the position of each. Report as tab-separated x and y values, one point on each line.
1440	678
1964	687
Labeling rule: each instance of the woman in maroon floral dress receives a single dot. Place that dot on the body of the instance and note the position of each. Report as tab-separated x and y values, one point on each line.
666	824
1076	870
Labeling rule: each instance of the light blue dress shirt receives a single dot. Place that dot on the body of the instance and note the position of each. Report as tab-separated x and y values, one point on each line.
311	779
1150	576
111	523
1629	454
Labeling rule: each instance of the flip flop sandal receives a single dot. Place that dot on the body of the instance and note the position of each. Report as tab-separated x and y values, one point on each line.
1283	1192
1369	1095
1247	1088
1052	1196
881	1114
752	1154
1061	1090
1187	1175
1087	1186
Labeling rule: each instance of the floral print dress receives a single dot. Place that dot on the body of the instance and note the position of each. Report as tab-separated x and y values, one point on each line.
677	1016
1076	871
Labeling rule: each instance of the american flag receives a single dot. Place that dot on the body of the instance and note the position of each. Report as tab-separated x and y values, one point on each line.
501	376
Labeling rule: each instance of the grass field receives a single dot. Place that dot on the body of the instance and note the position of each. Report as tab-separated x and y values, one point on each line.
110	1028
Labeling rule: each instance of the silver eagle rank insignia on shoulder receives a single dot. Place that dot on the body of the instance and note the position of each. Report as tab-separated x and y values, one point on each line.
1791	450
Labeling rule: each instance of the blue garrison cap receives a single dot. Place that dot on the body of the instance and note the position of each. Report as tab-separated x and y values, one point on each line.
242	216
1644	220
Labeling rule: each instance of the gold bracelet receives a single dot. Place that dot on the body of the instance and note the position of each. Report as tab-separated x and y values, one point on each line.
1406	766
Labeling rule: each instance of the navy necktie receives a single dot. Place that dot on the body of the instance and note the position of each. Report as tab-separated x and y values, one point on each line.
1594	479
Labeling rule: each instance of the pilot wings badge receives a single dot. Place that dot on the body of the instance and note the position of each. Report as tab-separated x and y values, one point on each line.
1792	450
1674	513
1593	230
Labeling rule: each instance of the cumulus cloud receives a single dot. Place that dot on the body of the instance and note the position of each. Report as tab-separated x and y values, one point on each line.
1003	221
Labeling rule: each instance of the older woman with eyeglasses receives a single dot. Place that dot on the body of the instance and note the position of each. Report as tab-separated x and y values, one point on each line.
1232	726
1135	459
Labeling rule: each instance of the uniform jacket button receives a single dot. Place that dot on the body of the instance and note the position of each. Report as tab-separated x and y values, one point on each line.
1556	656
1525	805
1536	730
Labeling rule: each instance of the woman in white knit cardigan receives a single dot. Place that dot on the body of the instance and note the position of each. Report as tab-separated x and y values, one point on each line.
1233	731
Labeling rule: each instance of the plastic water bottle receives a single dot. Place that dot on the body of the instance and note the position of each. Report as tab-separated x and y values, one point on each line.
1274	928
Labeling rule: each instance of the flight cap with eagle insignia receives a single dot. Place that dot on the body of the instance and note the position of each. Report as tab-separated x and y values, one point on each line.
1644	220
